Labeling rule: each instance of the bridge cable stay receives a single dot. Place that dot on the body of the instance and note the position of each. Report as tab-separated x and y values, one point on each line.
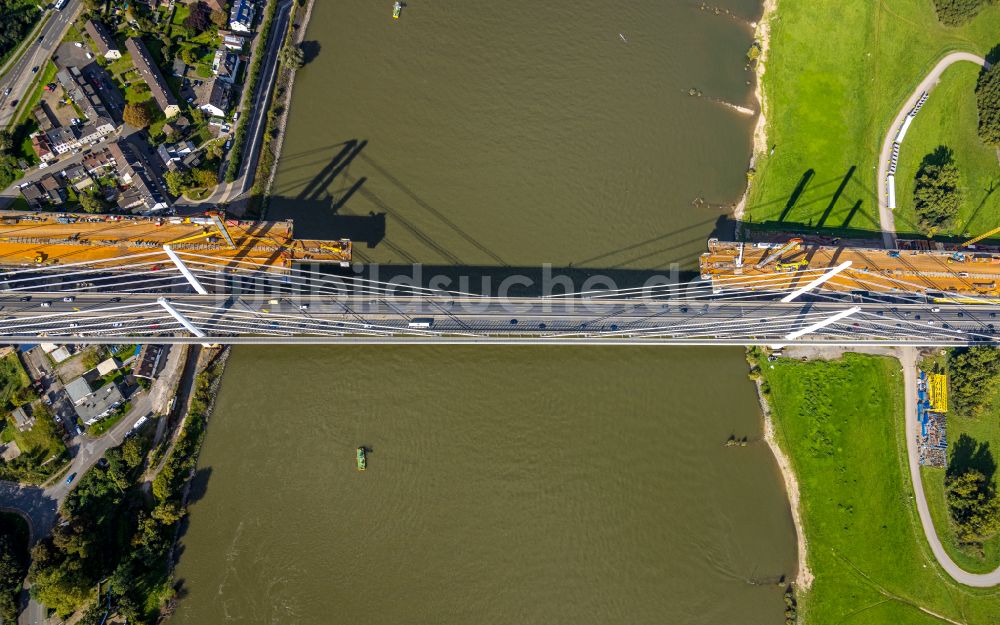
817	282
165	303
821	324
184	270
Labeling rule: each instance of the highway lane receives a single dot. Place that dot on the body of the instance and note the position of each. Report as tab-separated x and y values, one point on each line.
97	316
18	78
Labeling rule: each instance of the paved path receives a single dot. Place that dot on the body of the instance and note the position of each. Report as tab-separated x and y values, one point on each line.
908	358
886	218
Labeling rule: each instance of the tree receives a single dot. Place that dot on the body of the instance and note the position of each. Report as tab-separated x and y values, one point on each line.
936	196
988	101
973	505
137	115
132	452
292	56
6	140
176	181
204	178
9	170
220	19
93	203
956	12
199	19
188	56
973	377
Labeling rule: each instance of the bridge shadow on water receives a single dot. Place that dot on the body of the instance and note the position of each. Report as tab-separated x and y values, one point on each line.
325	202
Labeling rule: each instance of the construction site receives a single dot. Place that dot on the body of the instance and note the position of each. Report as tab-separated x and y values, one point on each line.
963	269
46	239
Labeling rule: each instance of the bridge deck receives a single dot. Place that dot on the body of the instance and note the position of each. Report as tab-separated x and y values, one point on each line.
26	237
872	269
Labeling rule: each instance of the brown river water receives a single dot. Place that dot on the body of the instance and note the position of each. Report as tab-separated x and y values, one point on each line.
505	485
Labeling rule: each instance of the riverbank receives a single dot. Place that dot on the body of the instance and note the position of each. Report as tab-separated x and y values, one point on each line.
274	133
803	577
839	422
762	39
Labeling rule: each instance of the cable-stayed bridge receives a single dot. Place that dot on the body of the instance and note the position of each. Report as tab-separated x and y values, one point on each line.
167	295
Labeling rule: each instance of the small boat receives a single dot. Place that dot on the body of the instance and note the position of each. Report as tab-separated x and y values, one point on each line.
396	10
361	459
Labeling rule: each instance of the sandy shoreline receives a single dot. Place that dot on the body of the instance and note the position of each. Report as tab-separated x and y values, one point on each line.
763	38
804	577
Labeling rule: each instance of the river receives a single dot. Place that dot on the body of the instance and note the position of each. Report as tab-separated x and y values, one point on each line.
529	485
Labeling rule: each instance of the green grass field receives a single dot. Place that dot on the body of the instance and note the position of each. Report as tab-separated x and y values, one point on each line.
13	378
841	424
950	119
836	76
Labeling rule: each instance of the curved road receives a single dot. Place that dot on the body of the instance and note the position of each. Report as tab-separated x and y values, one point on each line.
886	219
908	358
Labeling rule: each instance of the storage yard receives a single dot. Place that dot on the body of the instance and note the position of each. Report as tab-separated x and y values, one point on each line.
45	239
916	266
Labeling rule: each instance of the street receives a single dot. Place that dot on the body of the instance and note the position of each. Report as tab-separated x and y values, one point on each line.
18	78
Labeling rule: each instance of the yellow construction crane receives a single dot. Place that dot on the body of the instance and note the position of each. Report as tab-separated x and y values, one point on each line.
219	225
984	235
770	258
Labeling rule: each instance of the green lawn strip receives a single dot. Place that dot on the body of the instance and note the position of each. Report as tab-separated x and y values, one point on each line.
841	424
836	76
46	75
950	118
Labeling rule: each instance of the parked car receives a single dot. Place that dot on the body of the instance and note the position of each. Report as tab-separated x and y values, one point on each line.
34	70
69	298
77	44
72	476
45	304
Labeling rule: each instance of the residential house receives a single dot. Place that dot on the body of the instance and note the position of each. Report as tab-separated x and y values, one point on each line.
63	139
106	45
75	172
78	391
83	94
22	419
40	144
180	68
232	41
96	162
55	192
216	5
100	403
173	154
241	16
108	366
35	196
143	195
225	65
149	361
212	97
153	77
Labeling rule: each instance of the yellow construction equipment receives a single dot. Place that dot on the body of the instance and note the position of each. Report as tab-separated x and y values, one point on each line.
40	257
787	247
984	235
219	224
793	266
